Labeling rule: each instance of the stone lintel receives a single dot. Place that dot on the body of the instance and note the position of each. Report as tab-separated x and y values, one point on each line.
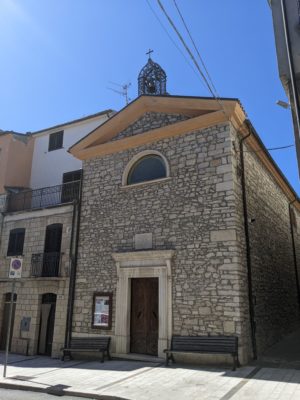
147	255
223	235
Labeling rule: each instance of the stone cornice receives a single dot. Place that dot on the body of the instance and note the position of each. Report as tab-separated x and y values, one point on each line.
200	110
147	255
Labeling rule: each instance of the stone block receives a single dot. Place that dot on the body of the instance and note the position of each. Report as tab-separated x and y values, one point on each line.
224	186
143	241
223	235
229	327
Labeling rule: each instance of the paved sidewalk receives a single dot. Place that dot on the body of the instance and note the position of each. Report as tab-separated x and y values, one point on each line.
136	380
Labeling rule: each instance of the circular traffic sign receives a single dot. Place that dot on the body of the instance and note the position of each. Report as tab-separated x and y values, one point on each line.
16	264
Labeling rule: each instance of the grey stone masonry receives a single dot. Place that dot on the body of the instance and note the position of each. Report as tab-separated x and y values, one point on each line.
197	212
149	121
276	306
30	288
192	212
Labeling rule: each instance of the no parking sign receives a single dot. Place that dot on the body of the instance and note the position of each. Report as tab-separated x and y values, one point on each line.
15	270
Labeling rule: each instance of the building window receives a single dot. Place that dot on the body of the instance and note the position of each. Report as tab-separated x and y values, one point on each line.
16	242
56	141
147	167
71	186
102	310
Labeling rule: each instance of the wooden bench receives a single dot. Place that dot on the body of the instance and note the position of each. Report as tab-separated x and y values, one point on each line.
88	344
204	344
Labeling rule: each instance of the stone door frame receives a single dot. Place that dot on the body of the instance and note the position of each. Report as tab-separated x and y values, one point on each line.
143	264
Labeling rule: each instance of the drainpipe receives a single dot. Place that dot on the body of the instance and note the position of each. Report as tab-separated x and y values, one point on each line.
77	205
71	268
248	249
2	217
294	250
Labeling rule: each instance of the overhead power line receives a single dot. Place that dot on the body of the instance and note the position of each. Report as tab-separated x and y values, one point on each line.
173	41
191	55
269	149
196	48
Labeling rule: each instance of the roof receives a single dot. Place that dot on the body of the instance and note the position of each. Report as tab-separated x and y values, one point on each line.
189	105
203	112
74	121
23	137
11	133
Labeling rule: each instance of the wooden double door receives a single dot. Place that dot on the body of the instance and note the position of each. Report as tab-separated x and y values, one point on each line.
144	316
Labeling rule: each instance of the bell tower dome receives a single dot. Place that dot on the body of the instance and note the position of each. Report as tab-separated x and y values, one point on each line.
152	78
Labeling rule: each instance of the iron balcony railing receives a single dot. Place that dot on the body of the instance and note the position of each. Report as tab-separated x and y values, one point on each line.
42	198
2	202
46	264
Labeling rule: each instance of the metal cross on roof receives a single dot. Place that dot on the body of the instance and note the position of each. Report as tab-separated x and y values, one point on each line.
149	53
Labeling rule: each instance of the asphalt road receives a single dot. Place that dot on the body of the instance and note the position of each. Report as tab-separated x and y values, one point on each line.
7	394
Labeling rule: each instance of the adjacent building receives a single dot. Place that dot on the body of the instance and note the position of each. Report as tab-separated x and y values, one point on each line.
15	161
286	21
40	182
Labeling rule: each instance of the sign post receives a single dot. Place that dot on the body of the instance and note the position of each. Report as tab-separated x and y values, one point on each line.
15	271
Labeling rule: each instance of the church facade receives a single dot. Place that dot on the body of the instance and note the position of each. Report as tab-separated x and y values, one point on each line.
187	227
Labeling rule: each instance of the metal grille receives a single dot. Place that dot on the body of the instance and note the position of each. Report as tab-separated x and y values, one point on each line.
45	264
2	202
152	79
42	198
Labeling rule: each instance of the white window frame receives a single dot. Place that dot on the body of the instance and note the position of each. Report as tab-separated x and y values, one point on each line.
137	157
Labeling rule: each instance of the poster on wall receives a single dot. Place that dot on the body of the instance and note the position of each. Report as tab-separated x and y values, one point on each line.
102	310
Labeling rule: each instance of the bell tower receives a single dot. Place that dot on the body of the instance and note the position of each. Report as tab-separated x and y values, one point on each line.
152	79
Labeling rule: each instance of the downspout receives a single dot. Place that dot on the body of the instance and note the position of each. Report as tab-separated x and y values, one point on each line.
248	248
2	219
294	250
73	267
68	328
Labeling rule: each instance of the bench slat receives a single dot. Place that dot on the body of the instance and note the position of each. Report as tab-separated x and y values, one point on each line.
204	344
88	344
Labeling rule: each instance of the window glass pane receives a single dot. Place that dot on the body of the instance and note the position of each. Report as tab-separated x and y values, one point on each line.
147	169
16	242
55	141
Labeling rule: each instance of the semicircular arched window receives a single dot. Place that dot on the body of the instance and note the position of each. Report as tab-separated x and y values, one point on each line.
147	168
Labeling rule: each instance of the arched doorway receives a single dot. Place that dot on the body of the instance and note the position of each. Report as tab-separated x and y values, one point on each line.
5	318
47	323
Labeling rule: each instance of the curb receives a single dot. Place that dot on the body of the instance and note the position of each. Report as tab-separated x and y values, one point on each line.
57	392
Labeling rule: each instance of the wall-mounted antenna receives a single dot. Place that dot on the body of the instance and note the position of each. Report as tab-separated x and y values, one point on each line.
123	92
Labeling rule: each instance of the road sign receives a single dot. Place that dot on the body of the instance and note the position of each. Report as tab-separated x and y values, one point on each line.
15	269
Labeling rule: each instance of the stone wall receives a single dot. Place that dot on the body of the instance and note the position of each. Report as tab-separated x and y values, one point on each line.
273	272
29	297
192	212
149	121
296	230
35	223
30	289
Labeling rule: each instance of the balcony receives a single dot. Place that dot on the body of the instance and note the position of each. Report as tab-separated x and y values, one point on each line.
2	202
42	198
46	264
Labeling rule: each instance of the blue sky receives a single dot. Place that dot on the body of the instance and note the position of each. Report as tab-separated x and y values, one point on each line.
58	58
